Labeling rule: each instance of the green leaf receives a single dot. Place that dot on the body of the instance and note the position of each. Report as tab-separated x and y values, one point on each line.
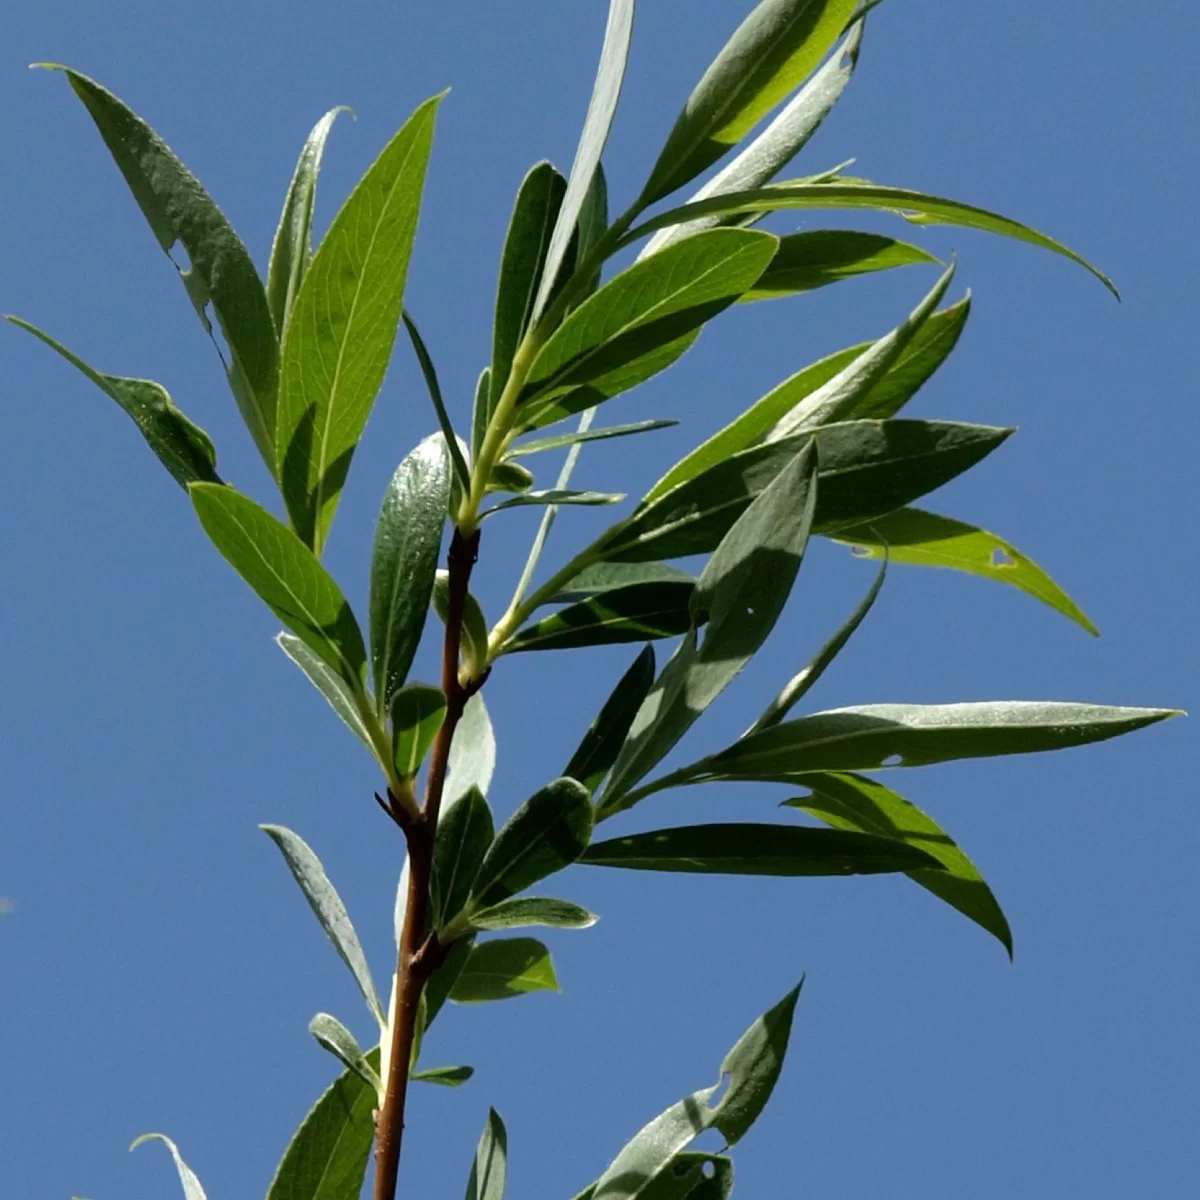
472	753
740	593
327	1158
547	833
855	802
286	575
596	754
291	250
220	270
557	496
591	229
464	834
758	850
462	473
856	194
501	969
602	106
182	446
418	711
490	1167
444	1076
804	680
606	577
647	307
533	910
187	1177
539	445
441	983
408	540
333	1036
774	49
817	258
343	326
474	637
924	539
327	905
480	412
638	613
509	477
927	350
328	682
692	1176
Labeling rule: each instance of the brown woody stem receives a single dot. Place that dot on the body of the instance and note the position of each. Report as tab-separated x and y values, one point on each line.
419	954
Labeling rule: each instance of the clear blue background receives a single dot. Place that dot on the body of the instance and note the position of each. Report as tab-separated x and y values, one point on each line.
158	966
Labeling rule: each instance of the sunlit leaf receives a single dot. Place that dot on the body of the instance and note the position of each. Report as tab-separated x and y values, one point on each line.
607	577
490	1168
418	710
556	496
451	1077
473	751
333	1036
540	445
464	835
187	1177
502	969
328	682
523	911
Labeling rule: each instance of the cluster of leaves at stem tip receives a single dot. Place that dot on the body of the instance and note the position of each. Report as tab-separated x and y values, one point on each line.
825	453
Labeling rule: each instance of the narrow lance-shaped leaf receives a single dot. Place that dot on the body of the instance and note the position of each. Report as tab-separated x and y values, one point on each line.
480	410
490	1168
601	109
220	271
464	835
192	1190
523	911
408	539
443	1076
329	910
291	250
774	49
855	802
504	969
418	711
462	473
332	1035
540	445
607	577
181	446
328	682
343	326
285	574
473	751
556	496
924	539
740	594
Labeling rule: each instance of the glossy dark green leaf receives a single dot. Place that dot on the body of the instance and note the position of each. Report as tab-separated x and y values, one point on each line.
464	835
758	850
740	594
328	682
333	1036
462	473
339	339
556	496
596	754
607	577
291	250
473	752
638	613
774	49
408	539
861	194
220	271
327	905
854	802
327	1158
443	1076
504	968
418	710
927	350
649	306
817	258
181	446
490	1168
285	574
591	228
192	1189
547	833
924	539
523	911
540	445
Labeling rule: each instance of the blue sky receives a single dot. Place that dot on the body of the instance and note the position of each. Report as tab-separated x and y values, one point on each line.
159	968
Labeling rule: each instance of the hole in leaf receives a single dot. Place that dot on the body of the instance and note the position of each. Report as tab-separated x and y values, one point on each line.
1001	559
860	551
893	760
718	1097
709	1170
847	62
177	252
218	336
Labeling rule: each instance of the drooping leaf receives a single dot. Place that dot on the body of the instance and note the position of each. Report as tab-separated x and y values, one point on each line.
286	575
462	473
548	832
596	754
638	613
540	445
327	905
291	250
327	1158
408	539
740	594
502	969
328	682
747	849
192	1190
924	539
464	834
333	1036
220	271
773	50
473	751
418	710
854	802
181	446
607	577
523	911
443	1076
556	497
927	350
343	326
490	1168
606	91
